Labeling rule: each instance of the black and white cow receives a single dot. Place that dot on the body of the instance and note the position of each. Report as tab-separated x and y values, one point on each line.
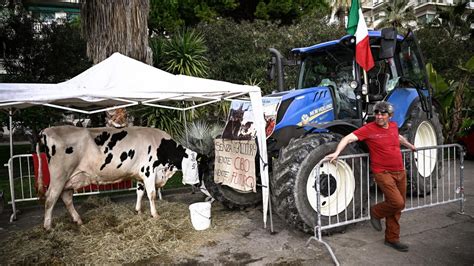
78	157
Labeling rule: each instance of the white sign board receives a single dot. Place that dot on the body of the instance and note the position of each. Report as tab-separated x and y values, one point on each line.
235	164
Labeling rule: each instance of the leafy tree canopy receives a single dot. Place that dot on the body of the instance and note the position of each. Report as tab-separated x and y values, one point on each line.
169	15
238	52
39	53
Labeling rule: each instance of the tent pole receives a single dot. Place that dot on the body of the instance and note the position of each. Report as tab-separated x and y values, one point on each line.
10	119
185	128
10	167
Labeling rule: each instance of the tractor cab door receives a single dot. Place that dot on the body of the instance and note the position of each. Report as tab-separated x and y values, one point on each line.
383	78
410	62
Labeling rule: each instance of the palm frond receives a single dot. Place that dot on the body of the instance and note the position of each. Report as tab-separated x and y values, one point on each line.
199	136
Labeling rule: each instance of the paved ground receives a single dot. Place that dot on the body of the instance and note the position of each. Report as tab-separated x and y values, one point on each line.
436	236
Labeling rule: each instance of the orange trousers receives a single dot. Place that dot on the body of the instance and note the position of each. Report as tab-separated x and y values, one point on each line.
394	187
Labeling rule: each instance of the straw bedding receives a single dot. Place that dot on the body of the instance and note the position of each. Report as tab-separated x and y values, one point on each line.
114	233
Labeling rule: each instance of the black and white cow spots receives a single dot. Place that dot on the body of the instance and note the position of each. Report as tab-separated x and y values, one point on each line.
80	160
147	172
69	150
131	153
107	161
115	138
125	155
170	153
102	138
46	148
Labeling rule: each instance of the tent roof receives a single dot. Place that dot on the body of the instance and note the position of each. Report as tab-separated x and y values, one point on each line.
119	81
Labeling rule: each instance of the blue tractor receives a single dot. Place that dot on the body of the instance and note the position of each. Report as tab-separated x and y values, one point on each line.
330	101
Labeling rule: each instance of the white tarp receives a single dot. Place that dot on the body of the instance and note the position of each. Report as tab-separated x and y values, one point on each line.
120	81
121	78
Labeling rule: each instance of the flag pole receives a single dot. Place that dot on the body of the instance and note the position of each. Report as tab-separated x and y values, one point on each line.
366	82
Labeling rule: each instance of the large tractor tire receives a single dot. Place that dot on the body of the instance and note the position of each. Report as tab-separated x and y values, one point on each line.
423	168
229	197
293	192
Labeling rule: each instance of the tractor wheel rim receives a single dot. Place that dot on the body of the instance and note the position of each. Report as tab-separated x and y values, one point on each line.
425	160
339	184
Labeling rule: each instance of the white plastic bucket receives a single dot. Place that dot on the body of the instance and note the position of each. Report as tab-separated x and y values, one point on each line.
200	215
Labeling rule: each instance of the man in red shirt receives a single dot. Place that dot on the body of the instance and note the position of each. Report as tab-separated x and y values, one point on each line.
383	140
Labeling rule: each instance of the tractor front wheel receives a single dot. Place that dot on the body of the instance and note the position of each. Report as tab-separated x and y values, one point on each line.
343	188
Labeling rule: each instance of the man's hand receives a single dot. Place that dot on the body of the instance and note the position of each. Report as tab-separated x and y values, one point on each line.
332	157
342	144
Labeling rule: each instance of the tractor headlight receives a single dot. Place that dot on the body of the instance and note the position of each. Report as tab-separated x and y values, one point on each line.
353	84
365	91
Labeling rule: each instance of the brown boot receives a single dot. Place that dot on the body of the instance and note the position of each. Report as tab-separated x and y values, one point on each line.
397	245
375	222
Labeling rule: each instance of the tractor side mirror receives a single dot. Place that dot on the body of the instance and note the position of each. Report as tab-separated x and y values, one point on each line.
388	43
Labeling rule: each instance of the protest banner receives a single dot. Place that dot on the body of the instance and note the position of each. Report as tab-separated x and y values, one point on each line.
235	164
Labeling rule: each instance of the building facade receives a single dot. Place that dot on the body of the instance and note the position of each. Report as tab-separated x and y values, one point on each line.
425	10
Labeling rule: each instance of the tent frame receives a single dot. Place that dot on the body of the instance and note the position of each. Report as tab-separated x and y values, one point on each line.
129	103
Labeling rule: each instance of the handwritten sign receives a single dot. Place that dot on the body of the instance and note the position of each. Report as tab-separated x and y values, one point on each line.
235	163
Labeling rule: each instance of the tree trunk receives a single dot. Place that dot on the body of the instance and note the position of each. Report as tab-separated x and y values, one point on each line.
116	26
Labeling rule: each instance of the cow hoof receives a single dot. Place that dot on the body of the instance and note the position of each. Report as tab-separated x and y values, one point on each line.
138	212
156	216
79	222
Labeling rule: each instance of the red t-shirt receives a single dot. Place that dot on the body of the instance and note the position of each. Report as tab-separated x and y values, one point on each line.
384	146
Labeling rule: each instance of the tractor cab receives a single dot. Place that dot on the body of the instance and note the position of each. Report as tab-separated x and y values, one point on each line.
398	64
332	93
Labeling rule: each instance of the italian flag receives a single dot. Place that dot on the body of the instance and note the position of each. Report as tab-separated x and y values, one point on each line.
356	26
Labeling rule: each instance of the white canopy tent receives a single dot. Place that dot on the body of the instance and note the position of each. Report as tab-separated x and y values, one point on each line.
120	81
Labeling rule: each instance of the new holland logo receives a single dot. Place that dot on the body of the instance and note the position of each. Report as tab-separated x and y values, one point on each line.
306	118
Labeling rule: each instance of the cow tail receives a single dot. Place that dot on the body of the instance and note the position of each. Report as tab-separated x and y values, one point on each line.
41	192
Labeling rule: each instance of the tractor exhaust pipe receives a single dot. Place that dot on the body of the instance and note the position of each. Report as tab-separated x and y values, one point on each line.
277	59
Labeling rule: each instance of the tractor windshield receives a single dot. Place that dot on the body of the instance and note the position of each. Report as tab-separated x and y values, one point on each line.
328	67
333	67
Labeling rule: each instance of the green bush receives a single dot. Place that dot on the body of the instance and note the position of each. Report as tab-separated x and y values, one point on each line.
238	52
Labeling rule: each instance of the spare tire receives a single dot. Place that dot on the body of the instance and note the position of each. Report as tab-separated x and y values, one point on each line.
423	168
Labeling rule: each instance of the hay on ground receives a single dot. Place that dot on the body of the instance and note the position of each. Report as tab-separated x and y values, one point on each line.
114	233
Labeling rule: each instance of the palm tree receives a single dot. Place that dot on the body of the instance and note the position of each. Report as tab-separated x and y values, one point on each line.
398	14
339	10
453	20
184	53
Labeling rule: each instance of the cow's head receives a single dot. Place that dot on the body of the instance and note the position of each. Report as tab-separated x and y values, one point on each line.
190	168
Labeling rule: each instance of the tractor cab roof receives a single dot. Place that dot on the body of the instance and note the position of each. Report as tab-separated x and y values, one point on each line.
346	38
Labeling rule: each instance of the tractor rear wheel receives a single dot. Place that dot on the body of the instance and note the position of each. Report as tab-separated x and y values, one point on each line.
422	167
229	197
343	188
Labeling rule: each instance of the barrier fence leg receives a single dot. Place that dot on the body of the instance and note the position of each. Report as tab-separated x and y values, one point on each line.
317	229
461	182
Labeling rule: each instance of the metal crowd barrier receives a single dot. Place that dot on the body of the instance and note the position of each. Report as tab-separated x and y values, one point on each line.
434	177
22	183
